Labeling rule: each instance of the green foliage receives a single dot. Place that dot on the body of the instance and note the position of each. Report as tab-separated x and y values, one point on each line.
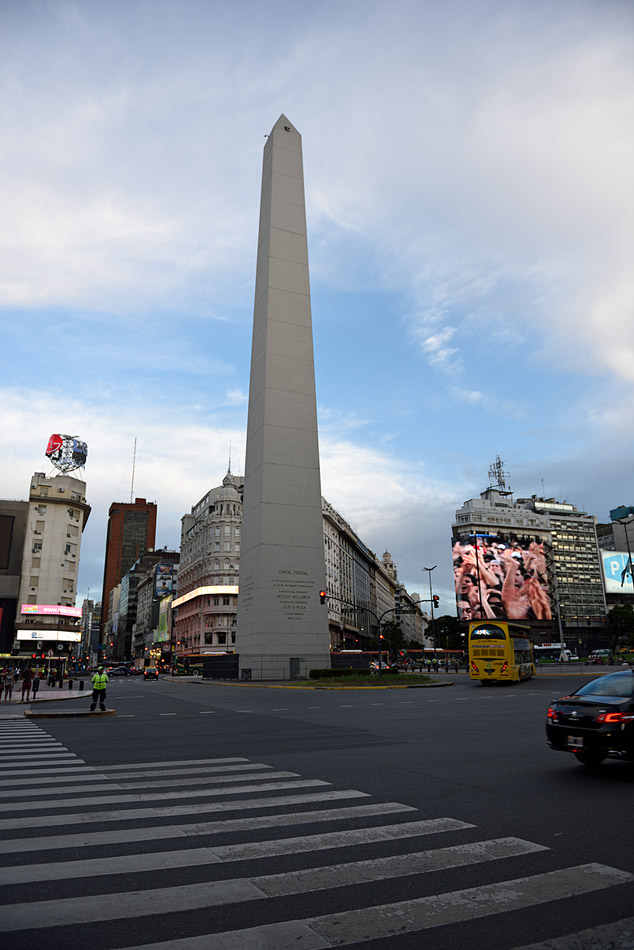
448	633
335	674
621	626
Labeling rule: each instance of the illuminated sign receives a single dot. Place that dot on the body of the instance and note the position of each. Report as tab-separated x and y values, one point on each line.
618	579
204	591
51	610
499	577
61	635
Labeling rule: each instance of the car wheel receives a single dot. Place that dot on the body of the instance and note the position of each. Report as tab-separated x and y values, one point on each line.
592	759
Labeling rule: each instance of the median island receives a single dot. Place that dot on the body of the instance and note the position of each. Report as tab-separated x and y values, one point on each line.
354	679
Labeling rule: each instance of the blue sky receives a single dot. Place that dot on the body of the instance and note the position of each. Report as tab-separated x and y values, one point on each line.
469	176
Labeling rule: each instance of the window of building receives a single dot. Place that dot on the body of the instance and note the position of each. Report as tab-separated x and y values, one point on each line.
222	638
216	601
227	529
227	565
34	581
227	545
209	638
37	546
35	562
217	548
226	601
237	529
233	638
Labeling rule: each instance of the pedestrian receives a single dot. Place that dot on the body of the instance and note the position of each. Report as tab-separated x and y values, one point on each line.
99	684
27	682
455	666
36	685
447	665
9	681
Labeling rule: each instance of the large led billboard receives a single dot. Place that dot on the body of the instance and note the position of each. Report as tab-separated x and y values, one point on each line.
50	610
618	579
501	578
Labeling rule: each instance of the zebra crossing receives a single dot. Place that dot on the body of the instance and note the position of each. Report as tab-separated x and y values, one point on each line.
237	855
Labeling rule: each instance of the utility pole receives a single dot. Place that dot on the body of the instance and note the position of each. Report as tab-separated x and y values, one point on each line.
431	600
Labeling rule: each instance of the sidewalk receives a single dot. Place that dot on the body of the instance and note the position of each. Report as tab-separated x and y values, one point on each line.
15	707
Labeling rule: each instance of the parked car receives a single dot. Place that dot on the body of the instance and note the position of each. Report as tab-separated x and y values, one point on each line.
150	673
596	721
120	671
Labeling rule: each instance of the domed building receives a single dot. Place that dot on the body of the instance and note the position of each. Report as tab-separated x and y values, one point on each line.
207	602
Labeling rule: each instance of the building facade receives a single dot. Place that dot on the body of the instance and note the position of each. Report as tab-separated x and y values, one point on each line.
130	534
572	571
206	609
125	645
13	522
48	619
616	541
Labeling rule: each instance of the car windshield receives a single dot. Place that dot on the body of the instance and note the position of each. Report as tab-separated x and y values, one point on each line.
614	684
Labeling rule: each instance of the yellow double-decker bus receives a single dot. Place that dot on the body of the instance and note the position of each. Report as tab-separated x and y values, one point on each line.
500	651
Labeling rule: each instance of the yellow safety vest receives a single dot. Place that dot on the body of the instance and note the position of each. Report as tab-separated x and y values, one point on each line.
100	681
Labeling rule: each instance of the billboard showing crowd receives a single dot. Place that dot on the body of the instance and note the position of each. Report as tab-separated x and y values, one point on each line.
499	577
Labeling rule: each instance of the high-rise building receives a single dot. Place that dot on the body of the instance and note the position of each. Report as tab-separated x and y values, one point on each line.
131	533
124	645
13	522
48	619
551	539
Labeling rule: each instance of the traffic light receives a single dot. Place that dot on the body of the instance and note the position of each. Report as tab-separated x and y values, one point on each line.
436	600
322	596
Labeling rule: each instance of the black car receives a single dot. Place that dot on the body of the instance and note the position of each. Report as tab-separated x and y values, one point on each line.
596	721
120	671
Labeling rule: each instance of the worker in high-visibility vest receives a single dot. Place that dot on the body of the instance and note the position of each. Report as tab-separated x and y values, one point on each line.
99	684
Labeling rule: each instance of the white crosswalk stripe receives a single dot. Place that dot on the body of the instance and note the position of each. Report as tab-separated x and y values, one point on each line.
277	856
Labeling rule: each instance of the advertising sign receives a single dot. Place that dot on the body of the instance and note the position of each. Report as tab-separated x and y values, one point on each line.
501	578
63	635
618	579
51	610
164	579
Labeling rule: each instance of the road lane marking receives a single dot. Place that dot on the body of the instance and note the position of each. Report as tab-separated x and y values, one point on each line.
339	875
196	829
171	811
369	923
161	796
112	785
156	765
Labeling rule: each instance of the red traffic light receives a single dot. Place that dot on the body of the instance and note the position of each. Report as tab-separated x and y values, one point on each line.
322	596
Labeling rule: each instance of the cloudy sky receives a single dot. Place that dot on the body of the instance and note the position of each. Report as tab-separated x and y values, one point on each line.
469	176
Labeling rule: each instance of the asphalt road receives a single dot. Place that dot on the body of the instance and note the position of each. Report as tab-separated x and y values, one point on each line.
429	817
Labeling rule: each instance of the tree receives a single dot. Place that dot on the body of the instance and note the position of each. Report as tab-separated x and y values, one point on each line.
449	633
621	626
392	631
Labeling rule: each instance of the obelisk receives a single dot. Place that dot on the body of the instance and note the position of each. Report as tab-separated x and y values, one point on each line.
282	628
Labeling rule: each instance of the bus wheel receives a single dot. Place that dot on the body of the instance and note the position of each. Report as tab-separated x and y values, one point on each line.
195	672
592	759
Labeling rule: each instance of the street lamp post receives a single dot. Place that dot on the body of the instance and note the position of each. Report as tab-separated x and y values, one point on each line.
431	600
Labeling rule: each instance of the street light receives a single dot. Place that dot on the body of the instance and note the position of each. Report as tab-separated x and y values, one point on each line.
431	600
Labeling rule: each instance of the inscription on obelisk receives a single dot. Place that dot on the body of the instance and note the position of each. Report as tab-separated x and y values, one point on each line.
282	627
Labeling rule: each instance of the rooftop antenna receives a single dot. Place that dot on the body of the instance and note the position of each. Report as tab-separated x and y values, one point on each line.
133	467
229	469
543	489
497	477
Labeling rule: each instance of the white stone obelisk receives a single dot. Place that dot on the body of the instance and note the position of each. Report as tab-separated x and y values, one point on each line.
282	627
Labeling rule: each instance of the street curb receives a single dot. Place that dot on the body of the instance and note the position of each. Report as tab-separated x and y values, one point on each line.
201	681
